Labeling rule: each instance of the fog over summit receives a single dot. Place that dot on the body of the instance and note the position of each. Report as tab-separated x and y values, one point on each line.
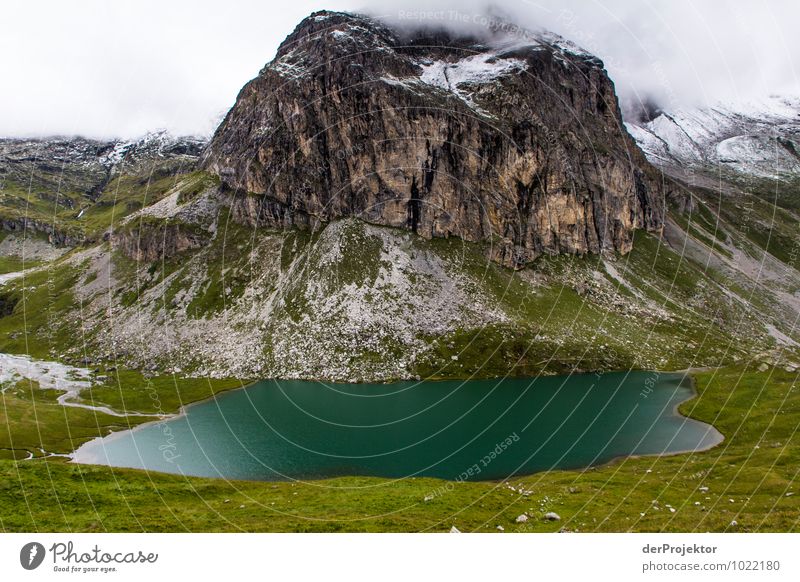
122	69
678	54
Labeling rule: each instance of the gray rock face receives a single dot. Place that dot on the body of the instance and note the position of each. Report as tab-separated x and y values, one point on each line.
152	241
22	225
517	141
59	164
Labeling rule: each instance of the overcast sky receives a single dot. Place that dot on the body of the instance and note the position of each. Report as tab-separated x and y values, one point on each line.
106	68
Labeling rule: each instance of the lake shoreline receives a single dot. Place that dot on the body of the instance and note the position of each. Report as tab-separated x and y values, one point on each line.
674	413
676	410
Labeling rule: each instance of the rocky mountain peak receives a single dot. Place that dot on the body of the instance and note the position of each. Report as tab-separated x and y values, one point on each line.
510	137
331	31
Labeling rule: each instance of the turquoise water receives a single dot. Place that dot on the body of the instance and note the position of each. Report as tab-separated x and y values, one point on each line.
470	430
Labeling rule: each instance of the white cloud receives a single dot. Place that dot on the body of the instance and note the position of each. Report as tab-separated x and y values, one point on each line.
122	68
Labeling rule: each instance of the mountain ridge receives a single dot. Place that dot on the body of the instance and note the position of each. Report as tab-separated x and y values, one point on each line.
73	189
747	144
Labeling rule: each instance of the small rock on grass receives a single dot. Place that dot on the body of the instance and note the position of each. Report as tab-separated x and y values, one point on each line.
552	516
454	529
521	518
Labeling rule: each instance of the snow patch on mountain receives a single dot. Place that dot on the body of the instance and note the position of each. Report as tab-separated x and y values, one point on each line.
482	68
457	78
760	138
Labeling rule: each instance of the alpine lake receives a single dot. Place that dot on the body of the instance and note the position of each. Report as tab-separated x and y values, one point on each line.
277	430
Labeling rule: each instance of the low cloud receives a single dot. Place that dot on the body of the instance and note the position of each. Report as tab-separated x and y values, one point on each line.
106	69
676	54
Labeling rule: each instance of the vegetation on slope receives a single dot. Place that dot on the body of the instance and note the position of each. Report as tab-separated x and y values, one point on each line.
435	308
78	216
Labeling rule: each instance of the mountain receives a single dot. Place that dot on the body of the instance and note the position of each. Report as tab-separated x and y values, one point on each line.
754	145
71	188
382	204
512	137
739	171
758	138
741	161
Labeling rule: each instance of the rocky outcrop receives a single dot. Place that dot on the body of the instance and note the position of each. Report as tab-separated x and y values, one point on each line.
54	235
513	139
151	241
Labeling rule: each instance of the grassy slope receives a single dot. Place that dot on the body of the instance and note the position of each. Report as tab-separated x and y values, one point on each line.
761	212
557	328
553	326
122	195
756	466
36	326
14	264
18	201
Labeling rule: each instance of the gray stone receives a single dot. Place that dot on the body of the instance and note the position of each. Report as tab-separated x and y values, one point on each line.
380	145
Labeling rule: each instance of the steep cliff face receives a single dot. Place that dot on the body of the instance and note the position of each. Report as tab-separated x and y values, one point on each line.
515	139
149	242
